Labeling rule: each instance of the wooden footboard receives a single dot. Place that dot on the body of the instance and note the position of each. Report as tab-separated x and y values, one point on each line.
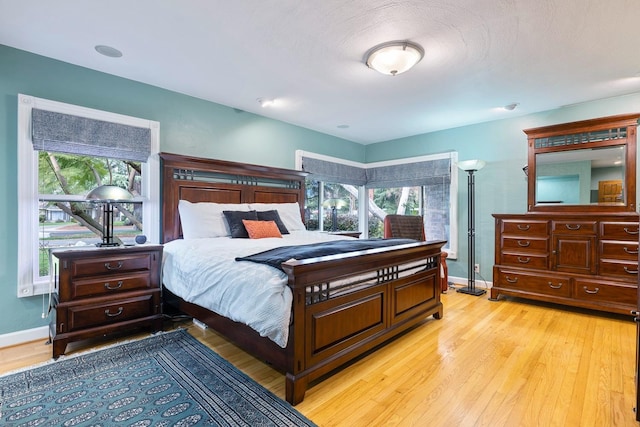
380	293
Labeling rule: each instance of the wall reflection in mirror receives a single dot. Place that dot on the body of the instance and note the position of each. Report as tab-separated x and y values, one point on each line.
581	177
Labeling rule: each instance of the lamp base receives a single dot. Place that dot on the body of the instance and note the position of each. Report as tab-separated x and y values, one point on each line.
110	245
470	291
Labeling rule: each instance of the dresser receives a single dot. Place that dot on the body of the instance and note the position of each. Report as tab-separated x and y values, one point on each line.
588	260
99	291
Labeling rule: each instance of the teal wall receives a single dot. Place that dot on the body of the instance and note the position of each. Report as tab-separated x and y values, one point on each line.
199	128
188	126
501	187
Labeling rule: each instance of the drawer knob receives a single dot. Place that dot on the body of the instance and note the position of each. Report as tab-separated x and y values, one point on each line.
511	280
111	288
524	260
523	243
636	231
108	313
630	271
587	290
523	227
633	252
108	266
572	227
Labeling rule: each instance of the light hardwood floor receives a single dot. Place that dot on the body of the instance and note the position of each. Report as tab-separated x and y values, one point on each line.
506	363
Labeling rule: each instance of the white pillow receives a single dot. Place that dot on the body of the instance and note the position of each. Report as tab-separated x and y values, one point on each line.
289	213
204	219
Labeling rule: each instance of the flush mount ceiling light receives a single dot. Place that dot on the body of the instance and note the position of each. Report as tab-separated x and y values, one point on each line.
394	58
109	51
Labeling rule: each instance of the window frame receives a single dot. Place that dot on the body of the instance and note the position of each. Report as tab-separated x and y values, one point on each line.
363	208
28	208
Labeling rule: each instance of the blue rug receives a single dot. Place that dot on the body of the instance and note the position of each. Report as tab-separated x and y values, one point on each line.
166	380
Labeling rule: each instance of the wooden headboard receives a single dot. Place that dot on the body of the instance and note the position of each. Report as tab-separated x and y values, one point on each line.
207	180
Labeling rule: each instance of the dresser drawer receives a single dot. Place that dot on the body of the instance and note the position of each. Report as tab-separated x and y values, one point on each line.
611	292
525	244
619	230
77	317
111	265
555	285
619	250
525	227
574	227
622	269
528	260
108	285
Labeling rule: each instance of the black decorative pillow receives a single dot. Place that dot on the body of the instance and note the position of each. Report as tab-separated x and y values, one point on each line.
275	217
236	227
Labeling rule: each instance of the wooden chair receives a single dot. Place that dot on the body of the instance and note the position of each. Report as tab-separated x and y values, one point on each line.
412	227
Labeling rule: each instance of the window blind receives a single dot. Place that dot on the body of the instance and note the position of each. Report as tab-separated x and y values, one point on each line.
323	170
409	174
65	133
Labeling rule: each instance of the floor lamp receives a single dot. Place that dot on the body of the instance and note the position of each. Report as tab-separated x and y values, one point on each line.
471	166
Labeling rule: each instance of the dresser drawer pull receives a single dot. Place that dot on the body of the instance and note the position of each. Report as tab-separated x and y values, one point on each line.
552	286
524	260
108	266
118	313
111	288
630	251
636	231
523	227
595	291
511	280
572	227
523	243
630	271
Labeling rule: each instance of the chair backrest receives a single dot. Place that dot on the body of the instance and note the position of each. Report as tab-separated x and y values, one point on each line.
404	226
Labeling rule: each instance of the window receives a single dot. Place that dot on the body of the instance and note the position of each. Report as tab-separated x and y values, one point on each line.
52	186
416	186
337	204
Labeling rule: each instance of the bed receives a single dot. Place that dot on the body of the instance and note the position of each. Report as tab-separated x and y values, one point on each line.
342	306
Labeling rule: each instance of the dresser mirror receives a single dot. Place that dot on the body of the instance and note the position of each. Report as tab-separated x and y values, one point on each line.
587	166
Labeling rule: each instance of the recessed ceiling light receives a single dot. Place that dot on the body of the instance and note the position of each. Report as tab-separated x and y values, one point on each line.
511	107
266	102
109	51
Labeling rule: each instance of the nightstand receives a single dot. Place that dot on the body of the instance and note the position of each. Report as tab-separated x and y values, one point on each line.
104	290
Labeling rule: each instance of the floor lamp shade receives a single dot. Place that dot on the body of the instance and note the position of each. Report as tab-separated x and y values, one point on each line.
471	166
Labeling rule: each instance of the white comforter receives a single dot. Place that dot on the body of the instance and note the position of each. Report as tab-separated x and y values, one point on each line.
204	272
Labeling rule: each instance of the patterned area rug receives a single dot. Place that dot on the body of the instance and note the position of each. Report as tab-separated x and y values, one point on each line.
166	380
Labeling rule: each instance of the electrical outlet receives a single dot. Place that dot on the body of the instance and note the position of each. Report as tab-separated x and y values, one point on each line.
476	268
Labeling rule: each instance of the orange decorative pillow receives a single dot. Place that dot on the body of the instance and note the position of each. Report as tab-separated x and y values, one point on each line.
261	229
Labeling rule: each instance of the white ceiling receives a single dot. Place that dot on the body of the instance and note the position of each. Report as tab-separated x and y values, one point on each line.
309	55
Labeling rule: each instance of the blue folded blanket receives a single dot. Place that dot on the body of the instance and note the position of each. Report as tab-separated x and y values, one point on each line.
275	257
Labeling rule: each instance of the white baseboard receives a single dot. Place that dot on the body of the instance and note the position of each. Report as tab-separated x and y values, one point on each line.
20	337
464	281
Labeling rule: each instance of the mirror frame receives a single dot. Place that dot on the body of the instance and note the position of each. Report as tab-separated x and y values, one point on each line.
628	121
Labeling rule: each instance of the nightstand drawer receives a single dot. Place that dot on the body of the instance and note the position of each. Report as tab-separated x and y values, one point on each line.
109	285
84	316
111	265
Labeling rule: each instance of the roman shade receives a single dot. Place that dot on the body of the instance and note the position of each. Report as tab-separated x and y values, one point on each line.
409	174
66	133
323	170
